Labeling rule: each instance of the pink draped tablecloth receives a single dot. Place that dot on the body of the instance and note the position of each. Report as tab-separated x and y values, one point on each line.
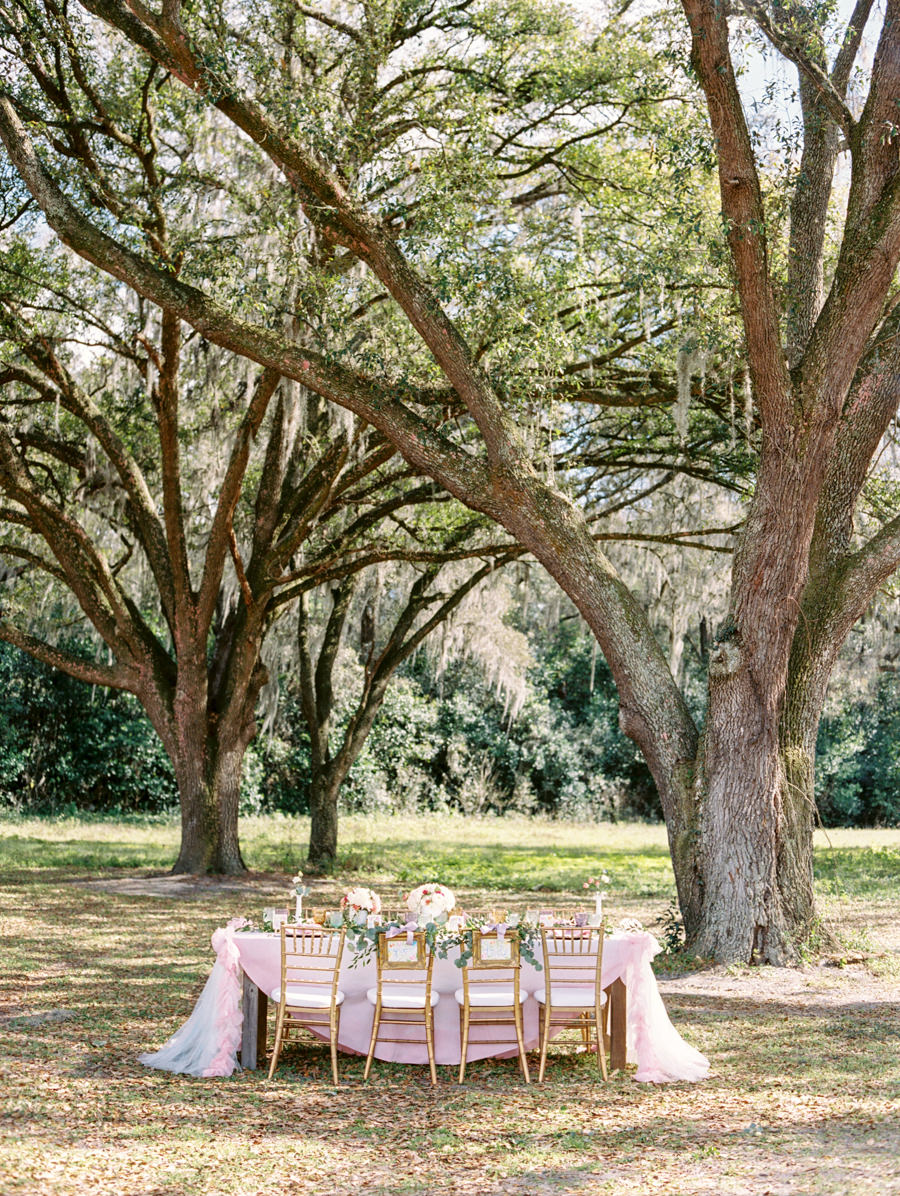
208	1042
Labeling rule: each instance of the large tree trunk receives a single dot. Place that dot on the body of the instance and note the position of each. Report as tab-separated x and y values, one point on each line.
209	803
206	750
324	790
742	820
209	785
795	847
746	821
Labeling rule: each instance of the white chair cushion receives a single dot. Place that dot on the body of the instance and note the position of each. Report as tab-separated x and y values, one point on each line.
489	994
570	996
306	998
402	996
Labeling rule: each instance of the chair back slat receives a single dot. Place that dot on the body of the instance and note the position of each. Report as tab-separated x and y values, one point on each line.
572	954
311	956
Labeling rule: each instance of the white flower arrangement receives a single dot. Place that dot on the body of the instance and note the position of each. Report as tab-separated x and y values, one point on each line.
360	900
431	901
299	889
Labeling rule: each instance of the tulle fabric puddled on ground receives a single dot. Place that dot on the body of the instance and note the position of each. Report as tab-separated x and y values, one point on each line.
208	1042
654	1044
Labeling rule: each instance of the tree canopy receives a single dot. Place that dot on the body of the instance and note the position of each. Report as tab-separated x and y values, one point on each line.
459	221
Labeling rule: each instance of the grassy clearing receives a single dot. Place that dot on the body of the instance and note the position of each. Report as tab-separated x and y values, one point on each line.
510	854
803	1098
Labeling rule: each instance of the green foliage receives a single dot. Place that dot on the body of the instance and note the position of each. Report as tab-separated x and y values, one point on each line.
437	744
450	742
67	746
857	766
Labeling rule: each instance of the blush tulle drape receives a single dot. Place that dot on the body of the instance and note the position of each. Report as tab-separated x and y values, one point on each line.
208	1042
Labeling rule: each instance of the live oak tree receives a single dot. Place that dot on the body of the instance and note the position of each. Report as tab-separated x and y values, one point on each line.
181	531
148	158
818	342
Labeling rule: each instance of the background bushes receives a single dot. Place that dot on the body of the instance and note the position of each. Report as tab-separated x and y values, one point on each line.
440	742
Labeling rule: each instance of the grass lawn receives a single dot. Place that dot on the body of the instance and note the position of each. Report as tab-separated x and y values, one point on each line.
804	1095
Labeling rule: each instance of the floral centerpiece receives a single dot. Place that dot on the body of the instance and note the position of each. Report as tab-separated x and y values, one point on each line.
357	903
431	901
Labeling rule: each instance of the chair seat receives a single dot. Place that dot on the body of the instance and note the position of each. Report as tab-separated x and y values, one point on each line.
401	996
306	998
570	996
489	994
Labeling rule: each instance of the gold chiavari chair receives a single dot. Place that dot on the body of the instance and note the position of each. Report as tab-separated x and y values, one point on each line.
308	995
403	994
490	994
573	997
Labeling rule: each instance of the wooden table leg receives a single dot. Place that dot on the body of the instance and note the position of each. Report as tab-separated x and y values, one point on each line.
617	995
255	1006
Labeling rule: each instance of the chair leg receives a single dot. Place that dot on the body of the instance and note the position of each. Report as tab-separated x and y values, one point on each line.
545	1038
463	1041
279	1033
520	1039
601	1047
335	1023
429	1040
376	1021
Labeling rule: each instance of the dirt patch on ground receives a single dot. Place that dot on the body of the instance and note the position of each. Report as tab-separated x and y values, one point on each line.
187	888
810	990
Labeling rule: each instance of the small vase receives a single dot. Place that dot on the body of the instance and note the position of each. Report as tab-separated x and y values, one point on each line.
598	905
298	916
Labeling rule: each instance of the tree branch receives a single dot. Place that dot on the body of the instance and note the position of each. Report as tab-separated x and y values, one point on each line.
788	43
742	206
219	538
846	56
93	673
170	468
335	212
462	474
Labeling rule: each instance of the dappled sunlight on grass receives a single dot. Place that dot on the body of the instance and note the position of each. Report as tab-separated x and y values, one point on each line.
802	1096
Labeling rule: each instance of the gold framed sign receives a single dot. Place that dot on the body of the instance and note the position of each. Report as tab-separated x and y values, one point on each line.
398	952
491	949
